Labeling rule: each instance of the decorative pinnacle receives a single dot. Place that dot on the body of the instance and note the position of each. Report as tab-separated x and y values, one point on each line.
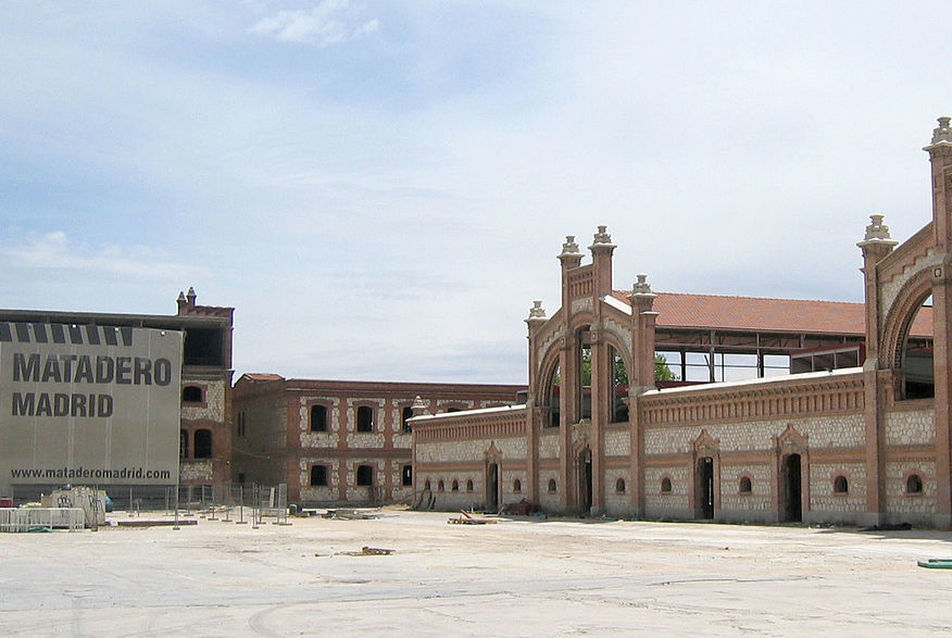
877	229
419	406
877	233
943	133
602	236
641	287
570	247
536	311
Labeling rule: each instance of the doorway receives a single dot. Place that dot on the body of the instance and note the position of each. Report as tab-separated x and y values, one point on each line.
585	481
492	488
792	489
705	488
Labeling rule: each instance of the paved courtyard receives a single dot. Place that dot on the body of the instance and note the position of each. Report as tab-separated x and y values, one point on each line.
522	577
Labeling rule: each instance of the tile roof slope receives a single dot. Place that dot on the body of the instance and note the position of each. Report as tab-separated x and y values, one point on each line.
684	310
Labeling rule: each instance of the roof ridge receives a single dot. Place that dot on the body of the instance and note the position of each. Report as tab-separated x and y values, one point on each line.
716	296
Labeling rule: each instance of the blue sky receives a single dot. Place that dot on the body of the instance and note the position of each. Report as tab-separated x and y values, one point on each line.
380	188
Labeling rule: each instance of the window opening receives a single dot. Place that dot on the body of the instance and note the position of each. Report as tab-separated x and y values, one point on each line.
406	475
318	418
620	486
840	485
191	394
619	393
914	484
918	372
469	485
365	475
203	444
455	486
318	475
552	486
183	444
665	485
405	415
745	486
584	354
365	419
517	485
552	414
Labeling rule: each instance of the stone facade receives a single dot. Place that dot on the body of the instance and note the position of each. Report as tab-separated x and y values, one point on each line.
341	442
867	445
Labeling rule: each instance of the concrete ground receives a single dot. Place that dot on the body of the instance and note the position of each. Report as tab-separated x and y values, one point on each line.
524	577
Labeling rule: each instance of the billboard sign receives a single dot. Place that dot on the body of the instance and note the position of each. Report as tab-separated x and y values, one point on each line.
89	405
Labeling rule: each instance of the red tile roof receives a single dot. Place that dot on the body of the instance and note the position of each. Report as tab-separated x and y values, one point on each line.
681	310
262	376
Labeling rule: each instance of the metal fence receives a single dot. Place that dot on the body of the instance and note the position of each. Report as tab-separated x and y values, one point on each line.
241	503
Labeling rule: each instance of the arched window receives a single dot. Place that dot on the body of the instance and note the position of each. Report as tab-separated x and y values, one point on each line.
203	444
455	486
191	394
406	475
426	485
914	484
745	486
666	485
552	486
517	485
469	485
318	475
405	415
552	412
584	389
840	485
183	444
365	475
365	419
918	373
439	486
318	418
620	486
619	389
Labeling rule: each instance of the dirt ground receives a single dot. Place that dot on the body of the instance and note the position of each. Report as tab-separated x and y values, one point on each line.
519	577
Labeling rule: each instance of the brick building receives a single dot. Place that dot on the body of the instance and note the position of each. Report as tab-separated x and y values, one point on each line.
340	441
785	410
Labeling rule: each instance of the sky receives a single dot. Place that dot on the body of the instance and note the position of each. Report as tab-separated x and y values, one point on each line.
380	188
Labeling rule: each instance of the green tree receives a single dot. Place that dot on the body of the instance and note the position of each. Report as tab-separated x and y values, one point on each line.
661	370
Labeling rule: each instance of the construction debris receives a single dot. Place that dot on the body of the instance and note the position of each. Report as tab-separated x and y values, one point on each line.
368	551
350	515
467	519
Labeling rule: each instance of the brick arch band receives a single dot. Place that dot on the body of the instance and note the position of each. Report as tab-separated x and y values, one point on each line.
900	316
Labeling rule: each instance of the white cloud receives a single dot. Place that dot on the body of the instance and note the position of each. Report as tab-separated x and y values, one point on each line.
326	24
54	251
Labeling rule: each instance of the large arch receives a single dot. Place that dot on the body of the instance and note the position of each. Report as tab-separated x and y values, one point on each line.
900	316
917	372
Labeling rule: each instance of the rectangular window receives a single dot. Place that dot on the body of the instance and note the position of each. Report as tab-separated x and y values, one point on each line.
318	475
406	475
365	419
318	418
365	475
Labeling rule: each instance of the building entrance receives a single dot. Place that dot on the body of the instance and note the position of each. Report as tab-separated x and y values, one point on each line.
793	493
705	488
492	488
585	481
